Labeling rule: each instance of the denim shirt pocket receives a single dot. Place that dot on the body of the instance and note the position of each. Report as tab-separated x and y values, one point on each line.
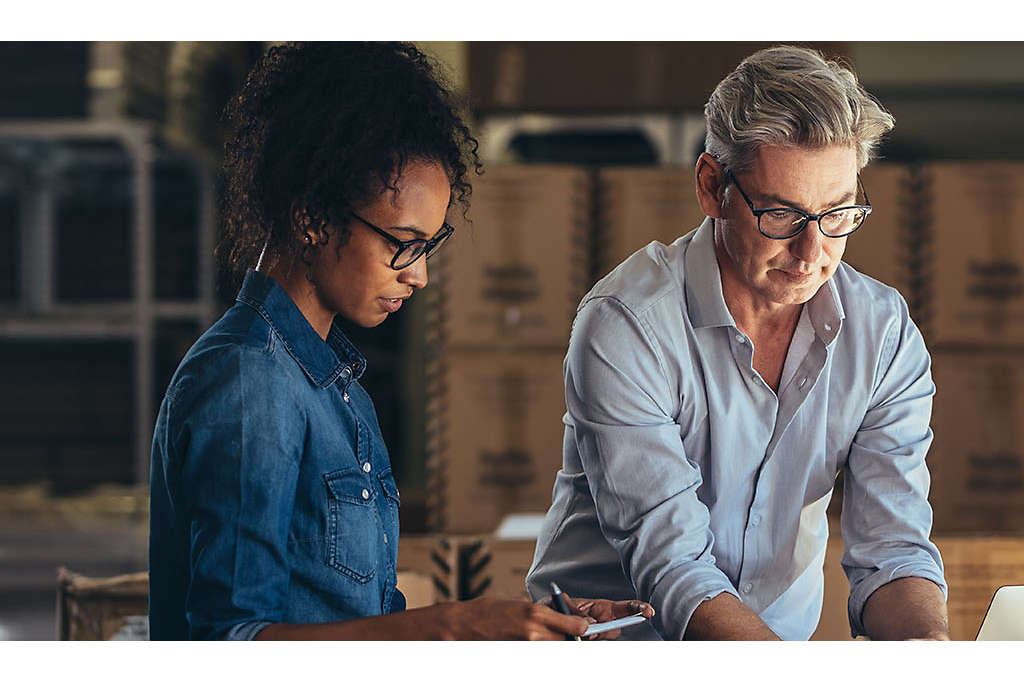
353	529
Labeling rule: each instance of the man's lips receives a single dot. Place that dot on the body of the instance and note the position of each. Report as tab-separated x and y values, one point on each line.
797	276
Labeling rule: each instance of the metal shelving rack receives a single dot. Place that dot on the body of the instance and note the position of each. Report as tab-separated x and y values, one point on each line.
37	314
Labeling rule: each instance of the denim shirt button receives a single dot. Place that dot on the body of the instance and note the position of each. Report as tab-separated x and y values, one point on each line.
344	396
385	538
366	494
367	467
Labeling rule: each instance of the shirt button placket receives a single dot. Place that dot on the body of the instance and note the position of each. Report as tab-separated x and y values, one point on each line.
345	374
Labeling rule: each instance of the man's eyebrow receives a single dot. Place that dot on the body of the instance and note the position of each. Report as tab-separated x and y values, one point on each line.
841	201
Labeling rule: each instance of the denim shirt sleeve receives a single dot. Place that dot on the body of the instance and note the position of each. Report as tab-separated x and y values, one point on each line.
886	518
238	439
622	407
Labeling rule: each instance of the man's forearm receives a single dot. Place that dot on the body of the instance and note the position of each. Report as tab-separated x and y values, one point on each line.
726	617
907	608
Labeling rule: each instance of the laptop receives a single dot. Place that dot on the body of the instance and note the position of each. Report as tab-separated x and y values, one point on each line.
1004	620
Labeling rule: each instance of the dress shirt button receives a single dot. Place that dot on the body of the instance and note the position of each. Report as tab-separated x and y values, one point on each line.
367	467
748	588
740	339
345	397
755	520
828	327
366	494
803	380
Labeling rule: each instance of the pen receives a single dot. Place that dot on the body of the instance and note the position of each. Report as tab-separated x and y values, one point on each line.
563	608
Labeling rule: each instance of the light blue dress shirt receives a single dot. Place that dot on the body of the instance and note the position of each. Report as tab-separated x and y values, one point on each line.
684	475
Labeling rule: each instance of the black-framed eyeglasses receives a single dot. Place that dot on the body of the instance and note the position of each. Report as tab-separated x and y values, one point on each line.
409	251
783	222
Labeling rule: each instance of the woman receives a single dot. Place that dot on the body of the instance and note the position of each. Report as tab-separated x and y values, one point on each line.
274	513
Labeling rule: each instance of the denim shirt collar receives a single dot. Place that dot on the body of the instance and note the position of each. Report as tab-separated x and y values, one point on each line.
323	362
706	303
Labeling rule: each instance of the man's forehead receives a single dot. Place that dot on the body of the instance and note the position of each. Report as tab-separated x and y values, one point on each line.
831	169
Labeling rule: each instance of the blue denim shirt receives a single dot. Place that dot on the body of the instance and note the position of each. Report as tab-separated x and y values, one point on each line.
685	475
272	498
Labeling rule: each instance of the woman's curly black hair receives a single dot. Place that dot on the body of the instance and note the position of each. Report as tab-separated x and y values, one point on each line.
327	127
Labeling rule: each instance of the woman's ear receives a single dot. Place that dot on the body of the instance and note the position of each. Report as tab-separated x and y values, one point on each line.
710	185
307	230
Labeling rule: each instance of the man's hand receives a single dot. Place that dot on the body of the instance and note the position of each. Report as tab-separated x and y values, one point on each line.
907	609
604	610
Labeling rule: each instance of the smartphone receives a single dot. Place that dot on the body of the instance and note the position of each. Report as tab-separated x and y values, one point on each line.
598	628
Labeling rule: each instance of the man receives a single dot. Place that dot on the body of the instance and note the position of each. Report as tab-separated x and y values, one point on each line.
715	387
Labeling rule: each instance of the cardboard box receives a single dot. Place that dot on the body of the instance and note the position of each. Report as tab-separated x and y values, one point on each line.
494	567
102	608
977	224
977	457
882	247
515	275
419	589
974	568
433	556
494	438
636	206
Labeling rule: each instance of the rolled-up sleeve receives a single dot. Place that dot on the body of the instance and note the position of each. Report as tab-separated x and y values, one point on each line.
239	447
622	406
886	518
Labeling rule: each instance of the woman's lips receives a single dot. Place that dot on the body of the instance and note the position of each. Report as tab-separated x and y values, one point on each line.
391	305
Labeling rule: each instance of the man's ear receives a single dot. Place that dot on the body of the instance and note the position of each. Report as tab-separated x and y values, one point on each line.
710	185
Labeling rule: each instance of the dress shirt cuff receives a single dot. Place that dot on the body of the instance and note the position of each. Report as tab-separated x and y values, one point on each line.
859	595
247	630
680	600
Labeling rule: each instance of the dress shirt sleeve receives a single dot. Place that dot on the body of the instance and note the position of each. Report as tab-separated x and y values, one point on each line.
239	447
886	518
622	407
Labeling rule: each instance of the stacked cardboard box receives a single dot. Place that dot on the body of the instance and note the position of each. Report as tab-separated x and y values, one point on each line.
977	228
506	293
882	247
977	458
975	329
636	206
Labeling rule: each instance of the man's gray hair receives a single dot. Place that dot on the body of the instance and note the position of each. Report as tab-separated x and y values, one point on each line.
791	97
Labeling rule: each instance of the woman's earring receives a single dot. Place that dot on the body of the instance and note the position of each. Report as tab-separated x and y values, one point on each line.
309	239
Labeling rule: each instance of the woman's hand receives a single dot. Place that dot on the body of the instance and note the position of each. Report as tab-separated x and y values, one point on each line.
512	619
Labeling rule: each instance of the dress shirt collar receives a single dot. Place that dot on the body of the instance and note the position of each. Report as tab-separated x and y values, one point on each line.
706	303
323	362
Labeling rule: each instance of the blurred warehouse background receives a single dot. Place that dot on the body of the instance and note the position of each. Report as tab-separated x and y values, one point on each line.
109	155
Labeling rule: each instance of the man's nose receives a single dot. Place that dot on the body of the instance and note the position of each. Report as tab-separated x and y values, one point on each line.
807	245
